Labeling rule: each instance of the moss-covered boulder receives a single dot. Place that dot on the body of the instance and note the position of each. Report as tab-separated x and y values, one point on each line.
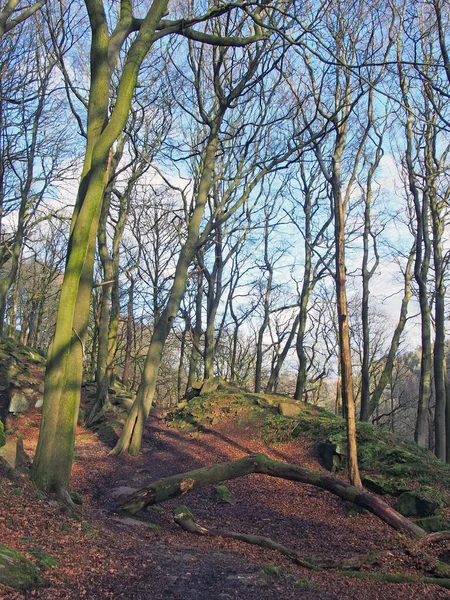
330	455
384	486
432	524
411	504
211	385
16	571
289	409
14	454
20	402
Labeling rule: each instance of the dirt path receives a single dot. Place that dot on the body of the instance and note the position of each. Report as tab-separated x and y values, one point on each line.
112	556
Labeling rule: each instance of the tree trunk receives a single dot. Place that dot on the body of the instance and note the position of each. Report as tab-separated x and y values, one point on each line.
275	372
266	315
131	436
54	454
195	356
300	347
129	337
439	363
181	364
421	265
367	274
348	401
395	342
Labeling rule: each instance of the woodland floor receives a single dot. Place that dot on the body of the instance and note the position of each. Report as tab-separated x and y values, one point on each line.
108	555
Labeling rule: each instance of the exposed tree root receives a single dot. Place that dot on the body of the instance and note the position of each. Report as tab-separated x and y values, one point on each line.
68	506
431	538
347	567
258	463
396	578
184	518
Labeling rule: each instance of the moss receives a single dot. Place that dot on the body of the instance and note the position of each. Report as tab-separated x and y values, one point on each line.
223	494
385	485
432	524
2	435
214	407
76	498
45	560
16	571
183	512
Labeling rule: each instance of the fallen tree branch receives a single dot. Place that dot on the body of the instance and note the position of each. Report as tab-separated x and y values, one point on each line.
348	567
177	485
396	578
184	518
438	536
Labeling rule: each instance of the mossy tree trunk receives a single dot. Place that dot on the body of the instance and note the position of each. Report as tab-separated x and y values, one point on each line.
53	460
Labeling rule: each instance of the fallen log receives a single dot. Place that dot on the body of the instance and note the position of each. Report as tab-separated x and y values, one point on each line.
182	483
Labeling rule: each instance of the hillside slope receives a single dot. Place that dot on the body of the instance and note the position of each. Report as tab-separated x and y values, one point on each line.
111	555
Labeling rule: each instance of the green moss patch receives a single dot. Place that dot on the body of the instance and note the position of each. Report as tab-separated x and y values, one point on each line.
214	407
2	435
16	571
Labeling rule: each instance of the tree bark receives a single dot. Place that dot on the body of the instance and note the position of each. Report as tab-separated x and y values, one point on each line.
348	401
196	333
266	305
275	372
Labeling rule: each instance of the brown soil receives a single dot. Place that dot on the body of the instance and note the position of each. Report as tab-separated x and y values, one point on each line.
109	555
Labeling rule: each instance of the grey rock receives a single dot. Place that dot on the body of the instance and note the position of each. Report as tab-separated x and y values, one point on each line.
410	504
19	403
330	456
15	455
122	491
